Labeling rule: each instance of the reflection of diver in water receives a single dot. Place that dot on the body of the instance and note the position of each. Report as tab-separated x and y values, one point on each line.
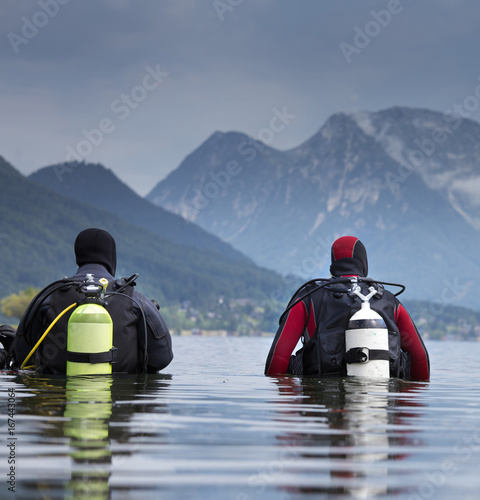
83	409
350	423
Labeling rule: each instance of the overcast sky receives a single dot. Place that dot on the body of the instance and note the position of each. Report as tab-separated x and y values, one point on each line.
138	85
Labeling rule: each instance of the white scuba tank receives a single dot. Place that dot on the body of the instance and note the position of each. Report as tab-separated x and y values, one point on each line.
366	342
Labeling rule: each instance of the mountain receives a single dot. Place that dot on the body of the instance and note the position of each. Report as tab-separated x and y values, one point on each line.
98	186
405	181
39	226
443	149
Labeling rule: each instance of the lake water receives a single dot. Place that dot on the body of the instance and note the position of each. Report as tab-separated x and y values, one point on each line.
214	427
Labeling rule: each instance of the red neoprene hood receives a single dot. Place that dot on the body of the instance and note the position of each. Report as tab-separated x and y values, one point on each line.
349	257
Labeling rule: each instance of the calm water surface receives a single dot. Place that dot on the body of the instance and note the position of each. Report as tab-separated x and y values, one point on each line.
212	426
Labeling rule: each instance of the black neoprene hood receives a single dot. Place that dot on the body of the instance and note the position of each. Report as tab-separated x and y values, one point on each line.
96	246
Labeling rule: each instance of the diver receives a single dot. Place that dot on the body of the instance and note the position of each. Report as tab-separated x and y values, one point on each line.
141	339
319	314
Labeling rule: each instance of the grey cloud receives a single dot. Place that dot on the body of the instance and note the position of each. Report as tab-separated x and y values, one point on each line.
223	73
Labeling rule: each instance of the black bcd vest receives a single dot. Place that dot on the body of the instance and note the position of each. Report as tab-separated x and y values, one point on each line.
51	354
324	353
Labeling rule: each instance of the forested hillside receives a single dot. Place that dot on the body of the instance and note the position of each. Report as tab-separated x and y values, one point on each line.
39	226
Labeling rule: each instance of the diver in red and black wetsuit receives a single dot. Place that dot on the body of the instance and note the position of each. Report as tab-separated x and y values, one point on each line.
320	313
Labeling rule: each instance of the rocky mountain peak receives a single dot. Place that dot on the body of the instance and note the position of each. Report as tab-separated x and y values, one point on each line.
403	180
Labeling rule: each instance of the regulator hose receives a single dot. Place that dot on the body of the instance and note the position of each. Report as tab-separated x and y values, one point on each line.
40	340
325	282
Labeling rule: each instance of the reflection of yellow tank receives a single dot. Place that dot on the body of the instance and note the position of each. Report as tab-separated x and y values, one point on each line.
87	413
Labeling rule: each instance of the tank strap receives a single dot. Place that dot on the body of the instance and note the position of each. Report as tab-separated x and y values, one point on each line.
93	357
364	354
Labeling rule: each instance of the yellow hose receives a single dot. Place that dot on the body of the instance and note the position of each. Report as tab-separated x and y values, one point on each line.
52	324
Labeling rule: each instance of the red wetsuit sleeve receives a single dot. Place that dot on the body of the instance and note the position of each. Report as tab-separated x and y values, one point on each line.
412	343
286	338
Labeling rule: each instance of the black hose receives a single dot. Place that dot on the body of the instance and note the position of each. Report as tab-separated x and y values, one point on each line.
41	296
333	281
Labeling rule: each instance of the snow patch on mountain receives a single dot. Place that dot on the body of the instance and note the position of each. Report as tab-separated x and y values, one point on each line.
392	144
320	218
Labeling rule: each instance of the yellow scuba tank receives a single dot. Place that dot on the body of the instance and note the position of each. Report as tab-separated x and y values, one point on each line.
90	333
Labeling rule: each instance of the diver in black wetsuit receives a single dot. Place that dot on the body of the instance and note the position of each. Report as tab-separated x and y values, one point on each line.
139	331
